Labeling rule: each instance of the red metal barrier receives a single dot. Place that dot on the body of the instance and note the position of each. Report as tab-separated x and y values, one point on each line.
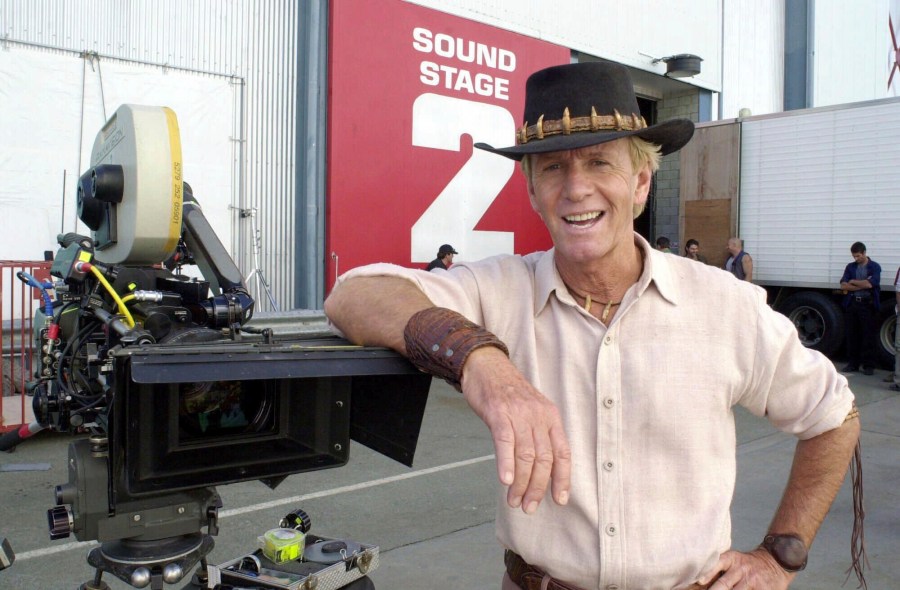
18	303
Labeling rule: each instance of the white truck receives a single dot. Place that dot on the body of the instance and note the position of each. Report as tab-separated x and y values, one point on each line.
800	187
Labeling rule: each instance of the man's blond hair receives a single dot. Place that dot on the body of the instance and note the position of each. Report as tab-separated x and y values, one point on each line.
640	151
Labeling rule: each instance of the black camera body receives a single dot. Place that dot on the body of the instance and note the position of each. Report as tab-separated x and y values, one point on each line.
186	418
176	386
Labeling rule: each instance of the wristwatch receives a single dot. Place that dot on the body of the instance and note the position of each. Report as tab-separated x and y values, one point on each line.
788	550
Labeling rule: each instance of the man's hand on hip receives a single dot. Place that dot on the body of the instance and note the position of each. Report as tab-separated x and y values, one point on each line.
531	445
756	570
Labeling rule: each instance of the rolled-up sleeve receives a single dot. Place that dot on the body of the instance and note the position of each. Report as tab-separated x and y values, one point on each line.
796	388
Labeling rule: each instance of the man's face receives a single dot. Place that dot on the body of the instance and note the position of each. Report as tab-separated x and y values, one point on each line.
859	257
734	247
693	249
586	198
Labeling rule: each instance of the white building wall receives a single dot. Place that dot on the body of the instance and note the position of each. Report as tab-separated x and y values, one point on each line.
892	51
753	43
851	51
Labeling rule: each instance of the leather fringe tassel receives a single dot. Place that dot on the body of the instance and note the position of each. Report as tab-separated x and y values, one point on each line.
859	559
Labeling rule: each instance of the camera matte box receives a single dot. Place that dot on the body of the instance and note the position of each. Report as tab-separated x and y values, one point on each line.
189	416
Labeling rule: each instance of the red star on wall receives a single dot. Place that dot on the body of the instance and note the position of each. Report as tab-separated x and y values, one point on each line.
896	65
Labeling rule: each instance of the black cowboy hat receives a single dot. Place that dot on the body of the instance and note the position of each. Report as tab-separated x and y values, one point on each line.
578	105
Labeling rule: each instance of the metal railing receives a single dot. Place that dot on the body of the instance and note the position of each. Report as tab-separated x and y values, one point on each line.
18	303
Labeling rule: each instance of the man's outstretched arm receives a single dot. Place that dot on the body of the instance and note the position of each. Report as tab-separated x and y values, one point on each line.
532	449
375	310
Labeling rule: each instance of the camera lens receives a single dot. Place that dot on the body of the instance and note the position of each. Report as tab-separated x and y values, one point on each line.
223	408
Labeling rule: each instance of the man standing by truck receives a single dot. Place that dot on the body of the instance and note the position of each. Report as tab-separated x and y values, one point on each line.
739	263
861	286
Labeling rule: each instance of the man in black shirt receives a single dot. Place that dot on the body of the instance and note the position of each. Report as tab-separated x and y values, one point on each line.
444	258
861	283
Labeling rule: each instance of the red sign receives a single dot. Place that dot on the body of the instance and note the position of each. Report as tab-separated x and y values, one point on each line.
411	89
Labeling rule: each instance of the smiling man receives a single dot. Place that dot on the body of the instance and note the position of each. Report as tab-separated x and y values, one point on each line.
607	371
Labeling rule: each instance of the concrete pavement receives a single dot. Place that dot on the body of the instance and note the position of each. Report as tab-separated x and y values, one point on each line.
434	523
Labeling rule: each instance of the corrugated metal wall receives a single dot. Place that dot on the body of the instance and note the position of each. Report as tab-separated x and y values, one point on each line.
255	43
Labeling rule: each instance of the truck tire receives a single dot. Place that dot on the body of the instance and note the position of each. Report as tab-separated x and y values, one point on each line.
818	319
884	343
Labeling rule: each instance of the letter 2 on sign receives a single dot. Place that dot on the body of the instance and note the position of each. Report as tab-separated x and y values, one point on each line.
439	122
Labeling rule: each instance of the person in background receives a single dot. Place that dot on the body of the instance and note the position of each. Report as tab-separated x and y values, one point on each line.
861	284
444	258
615	450
692	251
664	244
739	263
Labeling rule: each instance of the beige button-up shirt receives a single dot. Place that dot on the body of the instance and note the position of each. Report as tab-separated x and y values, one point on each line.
647	406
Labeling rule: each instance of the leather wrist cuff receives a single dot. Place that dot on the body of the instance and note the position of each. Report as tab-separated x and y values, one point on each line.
439	340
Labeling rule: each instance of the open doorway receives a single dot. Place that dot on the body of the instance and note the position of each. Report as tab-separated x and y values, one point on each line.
645	222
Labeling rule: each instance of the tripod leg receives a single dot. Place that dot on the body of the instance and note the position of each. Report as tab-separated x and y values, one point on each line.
97	583
250	277
261	278
257	271
201	576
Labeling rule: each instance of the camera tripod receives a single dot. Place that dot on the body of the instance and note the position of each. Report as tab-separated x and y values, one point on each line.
150	563
257	272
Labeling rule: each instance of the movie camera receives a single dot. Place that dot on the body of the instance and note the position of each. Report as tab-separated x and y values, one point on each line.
177	389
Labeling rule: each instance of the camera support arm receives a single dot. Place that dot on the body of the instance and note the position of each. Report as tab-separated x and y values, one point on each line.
230	304
210	255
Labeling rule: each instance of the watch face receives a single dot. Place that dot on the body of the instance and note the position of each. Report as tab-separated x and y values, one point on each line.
788	550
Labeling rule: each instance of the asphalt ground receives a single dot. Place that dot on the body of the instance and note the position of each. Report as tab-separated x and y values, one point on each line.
434	523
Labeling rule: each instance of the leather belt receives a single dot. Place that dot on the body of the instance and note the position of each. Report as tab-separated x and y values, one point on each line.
528	577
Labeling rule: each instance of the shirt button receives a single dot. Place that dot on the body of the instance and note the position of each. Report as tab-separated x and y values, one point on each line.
609	402
608	466
608	339
611	530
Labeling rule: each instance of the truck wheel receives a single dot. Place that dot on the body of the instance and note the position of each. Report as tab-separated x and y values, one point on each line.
884	345
818	319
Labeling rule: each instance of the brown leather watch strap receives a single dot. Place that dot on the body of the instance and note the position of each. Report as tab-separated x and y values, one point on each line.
788	550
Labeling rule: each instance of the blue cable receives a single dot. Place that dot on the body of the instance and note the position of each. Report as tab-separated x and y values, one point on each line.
43	286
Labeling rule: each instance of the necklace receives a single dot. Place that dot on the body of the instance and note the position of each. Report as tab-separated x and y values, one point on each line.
607	305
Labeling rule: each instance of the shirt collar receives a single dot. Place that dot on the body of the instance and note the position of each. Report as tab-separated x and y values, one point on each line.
657	272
